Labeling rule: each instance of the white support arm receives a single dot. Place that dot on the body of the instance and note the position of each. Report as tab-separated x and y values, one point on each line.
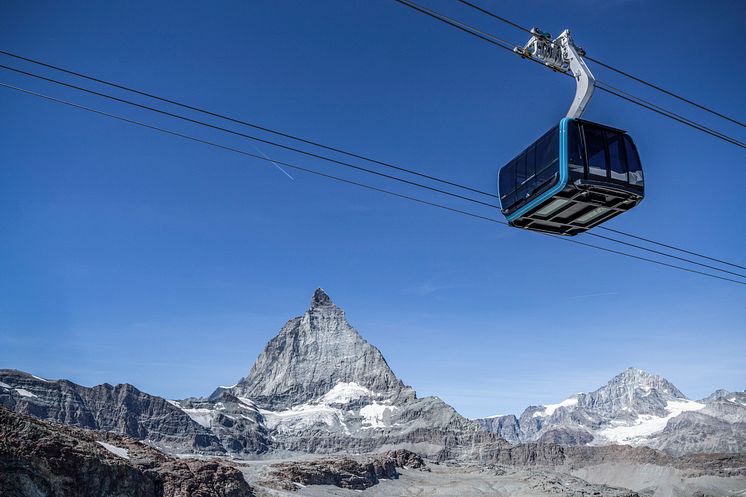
562	55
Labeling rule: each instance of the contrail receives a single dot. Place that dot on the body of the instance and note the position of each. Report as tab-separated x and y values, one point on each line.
273	162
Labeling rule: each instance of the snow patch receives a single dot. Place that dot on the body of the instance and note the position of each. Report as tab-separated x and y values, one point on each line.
646	425
377	415
40	378
117	451
5	385
228	387
344	393
550	408
247	402
174	403
25	393
304	416
200	416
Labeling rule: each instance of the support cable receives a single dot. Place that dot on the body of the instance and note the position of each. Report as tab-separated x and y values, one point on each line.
363	185
244	135
241	122
601	85
610	67
362	169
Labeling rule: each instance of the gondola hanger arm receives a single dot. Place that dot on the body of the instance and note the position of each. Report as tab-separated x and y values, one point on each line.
561	54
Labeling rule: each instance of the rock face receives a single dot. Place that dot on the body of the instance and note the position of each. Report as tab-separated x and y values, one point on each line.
313	354
121	409
344	472
720	427
506	425
38	458
633	408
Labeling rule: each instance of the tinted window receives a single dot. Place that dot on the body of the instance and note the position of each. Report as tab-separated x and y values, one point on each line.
633	162
575	158
507	184
594	143
532	171
530	164
617	161
520	175
547	158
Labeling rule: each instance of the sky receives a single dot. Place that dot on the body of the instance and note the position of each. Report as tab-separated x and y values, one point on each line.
132	256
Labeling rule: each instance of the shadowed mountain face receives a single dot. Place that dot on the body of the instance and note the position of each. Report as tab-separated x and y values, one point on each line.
39	459
121	409
311	355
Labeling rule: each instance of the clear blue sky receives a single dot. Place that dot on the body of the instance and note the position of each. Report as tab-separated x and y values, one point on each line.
128	256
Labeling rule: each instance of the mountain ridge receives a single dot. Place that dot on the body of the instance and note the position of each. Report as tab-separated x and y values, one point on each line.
635	408
319	387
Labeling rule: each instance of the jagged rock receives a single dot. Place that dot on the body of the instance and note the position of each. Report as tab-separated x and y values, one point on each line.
345	472
121	409
406	459
720	427
237	423
39	458
506	425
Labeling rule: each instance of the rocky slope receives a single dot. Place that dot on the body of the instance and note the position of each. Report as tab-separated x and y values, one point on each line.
357	473
38	459
719	427
634	408
121	409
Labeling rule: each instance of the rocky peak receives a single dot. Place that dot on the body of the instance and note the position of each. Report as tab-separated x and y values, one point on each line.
636	382
320	299
311	355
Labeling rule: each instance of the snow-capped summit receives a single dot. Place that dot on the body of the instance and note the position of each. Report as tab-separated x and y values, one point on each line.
632	408
631	393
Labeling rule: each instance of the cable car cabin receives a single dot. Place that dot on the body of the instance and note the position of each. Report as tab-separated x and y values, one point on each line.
576	176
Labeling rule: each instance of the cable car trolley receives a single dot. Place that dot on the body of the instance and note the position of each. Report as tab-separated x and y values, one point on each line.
579	174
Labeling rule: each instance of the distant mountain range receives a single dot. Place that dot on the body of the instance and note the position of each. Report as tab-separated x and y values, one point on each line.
634	408
319	387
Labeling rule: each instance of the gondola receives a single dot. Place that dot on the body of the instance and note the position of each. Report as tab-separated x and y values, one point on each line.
578	175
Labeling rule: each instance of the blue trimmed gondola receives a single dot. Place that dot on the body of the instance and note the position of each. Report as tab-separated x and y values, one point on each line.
577	176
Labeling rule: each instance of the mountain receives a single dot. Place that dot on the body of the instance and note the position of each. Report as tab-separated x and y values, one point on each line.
634	408
121	409
319	387
315	354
